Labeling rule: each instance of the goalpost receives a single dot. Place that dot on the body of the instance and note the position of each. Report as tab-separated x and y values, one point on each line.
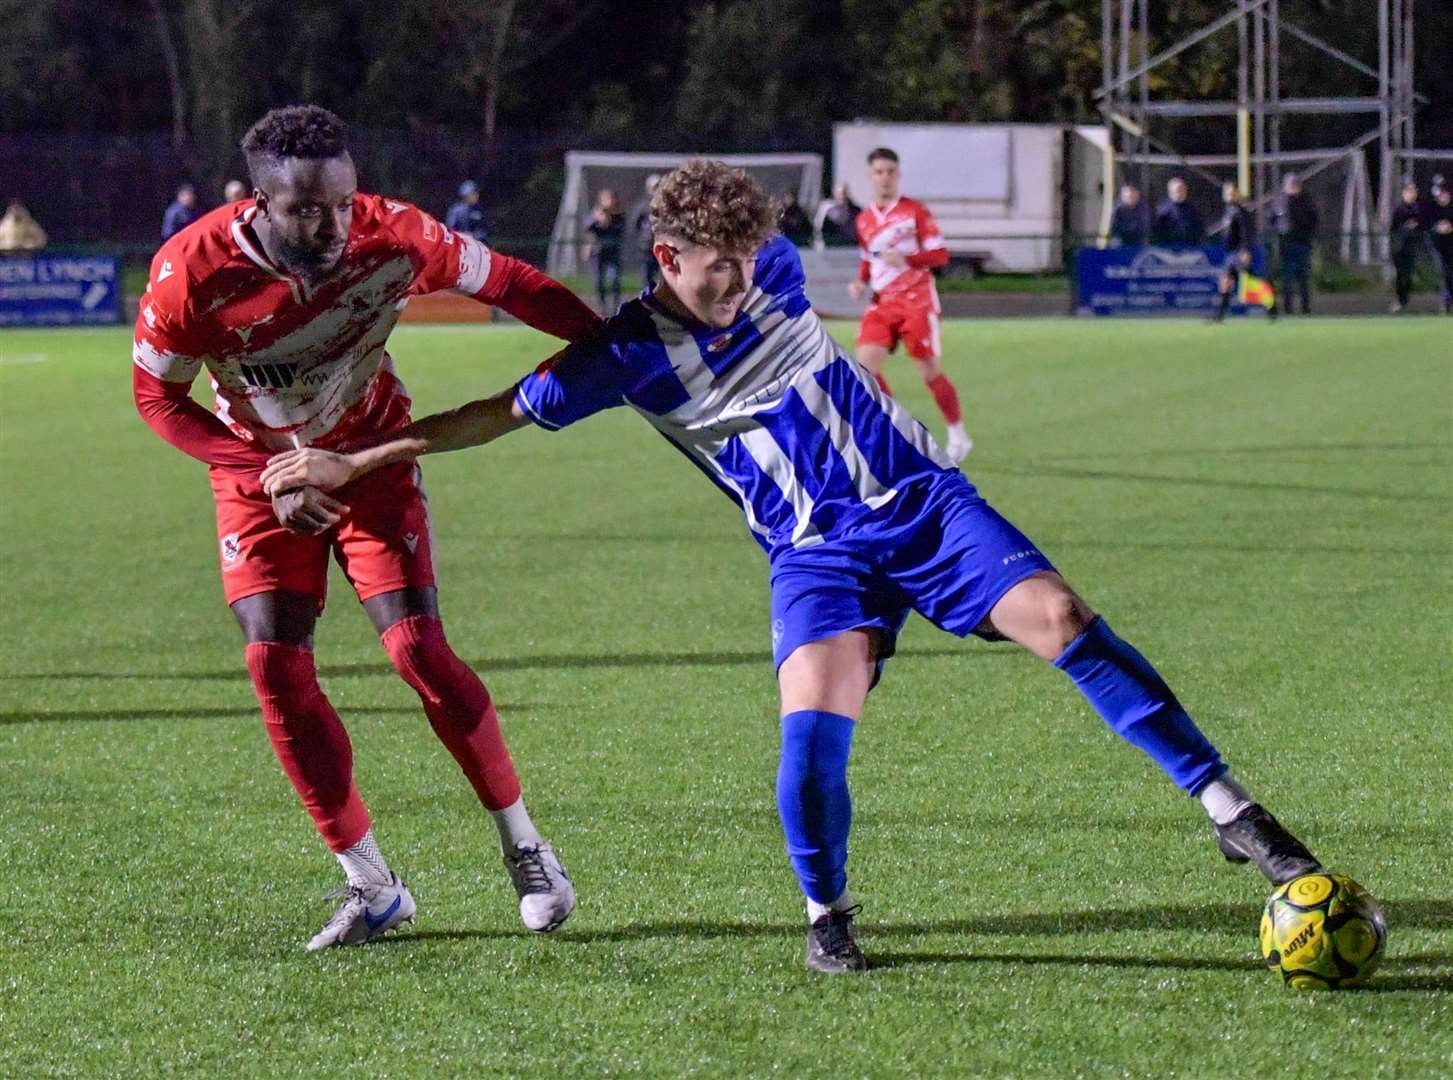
587	173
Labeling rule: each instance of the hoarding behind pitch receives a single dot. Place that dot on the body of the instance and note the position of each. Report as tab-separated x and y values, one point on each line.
1154	280
59	290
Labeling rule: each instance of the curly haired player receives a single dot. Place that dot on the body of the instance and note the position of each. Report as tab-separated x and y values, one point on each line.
862	515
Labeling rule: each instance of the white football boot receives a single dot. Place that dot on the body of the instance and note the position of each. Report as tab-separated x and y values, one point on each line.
546	896
367	912
958	444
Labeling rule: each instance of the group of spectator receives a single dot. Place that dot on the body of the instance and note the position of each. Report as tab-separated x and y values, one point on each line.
1417	225
184	209
1176	222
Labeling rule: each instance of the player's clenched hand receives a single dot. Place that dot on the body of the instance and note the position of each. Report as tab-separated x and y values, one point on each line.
855	289
307	510
297	468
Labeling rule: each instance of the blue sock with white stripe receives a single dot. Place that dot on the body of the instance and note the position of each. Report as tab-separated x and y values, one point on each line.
812	798
1139	707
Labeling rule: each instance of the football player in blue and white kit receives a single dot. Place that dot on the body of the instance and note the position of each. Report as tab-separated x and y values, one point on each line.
862	515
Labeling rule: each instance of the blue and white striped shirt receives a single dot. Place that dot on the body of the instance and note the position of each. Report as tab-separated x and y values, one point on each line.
796	433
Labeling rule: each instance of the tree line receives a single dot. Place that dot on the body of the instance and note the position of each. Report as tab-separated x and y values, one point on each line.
624	74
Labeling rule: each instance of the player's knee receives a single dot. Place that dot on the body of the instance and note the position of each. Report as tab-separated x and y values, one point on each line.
834	674
1064	615
419	651
284	678
422	656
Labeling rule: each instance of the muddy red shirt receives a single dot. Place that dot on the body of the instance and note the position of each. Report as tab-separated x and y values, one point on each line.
293	364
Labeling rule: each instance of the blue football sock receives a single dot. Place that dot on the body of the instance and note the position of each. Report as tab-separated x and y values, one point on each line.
812	797
1139	707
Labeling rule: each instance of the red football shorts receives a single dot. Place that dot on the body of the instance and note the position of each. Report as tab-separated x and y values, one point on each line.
383	544
907	317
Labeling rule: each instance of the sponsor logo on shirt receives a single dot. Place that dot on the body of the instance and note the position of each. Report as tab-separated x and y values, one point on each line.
269	376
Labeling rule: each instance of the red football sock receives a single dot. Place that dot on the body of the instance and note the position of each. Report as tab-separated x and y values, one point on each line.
309	739
457	705
946	397
883	384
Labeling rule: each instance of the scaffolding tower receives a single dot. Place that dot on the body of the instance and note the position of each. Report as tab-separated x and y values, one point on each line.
1131	114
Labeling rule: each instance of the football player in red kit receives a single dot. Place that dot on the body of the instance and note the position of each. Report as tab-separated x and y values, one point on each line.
900	246
288	300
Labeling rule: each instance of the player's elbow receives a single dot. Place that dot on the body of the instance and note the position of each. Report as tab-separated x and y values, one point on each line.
146	392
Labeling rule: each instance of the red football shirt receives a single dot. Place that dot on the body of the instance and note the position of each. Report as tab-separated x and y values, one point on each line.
907	227
291	364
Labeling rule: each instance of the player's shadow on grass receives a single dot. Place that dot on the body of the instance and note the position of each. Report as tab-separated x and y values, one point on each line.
1069	472
1236	919
1268	451
1382	981
1118	544
243	713
485	665
1392	976
884	960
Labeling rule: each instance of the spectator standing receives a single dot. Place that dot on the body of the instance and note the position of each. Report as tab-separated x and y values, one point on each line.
1443	237
1130	220
607	231
19	231
181	213
645	238
234	191
1295	217
837	219
793	221
1176	221
466	215
1411	220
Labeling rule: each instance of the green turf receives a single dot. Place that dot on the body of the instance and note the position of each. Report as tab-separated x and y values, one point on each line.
1265	510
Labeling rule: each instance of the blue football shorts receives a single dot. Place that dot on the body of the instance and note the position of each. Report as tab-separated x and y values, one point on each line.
938	549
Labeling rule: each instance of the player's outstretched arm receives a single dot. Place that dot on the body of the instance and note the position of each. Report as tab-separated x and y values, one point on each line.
537	299
469	425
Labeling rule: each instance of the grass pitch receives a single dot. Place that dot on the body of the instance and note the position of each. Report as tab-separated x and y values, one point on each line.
1264	510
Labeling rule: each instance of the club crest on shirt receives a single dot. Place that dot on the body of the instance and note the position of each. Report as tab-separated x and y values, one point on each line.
231	548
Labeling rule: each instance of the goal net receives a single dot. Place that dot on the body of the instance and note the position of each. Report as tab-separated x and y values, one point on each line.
587	173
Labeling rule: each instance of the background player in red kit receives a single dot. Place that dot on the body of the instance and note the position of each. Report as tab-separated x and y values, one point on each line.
288	300
901	244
